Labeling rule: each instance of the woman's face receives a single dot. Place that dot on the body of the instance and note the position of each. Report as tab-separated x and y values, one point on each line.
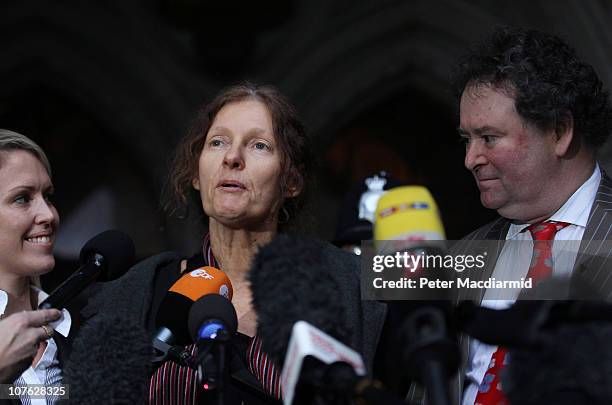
239	169
28	219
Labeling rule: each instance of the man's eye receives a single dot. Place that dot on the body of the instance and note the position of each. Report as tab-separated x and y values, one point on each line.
215	142
464	140
49	198
488	138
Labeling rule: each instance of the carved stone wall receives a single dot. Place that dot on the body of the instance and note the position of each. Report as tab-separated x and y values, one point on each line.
137	76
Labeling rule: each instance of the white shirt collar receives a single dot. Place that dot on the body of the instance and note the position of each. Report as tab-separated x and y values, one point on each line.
61	326
576	209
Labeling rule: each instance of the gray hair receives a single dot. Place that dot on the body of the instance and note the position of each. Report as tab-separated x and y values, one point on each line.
10	140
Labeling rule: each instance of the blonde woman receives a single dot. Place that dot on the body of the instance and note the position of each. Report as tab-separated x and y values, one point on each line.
29	339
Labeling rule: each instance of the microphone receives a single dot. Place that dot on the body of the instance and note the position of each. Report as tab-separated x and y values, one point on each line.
408	228
552	303
172	317
571	365
292	282
104	257
212	323
559	349
406	217
209	315
408	222
321	365
109	362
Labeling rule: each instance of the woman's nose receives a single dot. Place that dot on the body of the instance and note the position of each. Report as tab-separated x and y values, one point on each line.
233	158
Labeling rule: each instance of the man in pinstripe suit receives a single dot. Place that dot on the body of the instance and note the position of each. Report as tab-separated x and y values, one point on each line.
532	116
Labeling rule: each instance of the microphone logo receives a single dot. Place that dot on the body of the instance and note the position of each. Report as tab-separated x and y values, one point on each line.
224	291
416	205
420	205
201	273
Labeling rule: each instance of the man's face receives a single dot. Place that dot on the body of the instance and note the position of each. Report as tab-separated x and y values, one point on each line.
510	159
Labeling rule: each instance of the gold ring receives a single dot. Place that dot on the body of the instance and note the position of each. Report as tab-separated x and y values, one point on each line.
48	331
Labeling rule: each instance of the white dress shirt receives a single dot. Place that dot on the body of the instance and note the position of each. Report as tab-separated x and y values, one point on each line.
47	371
516	257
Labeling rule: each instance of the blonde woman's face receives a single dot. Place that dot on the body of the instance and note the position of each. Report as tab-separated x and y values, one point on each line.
28	218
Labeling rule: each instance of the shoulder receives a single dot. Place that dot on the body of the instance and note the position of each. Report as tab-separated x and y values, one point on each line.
605	185
493	231
145	271
133	289
343	266
154	263
339	259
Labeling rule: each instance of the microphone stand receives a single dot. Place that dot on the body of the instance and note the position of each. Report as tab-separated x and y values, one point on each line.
429	353
211	364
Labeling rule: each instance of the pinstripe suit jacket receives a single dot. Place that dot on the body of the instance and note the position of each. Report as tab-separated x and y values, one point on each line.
593	264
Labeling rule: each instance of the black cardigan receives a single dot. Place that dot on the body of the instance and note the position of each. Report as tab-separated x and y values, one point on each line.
132	297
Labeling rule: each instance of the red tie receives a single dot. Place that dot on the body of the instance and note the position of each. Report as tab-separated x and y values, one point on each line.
543	234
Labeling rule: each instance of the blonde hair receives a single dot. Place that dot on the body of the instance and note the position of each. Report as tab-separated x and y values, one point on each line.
10	140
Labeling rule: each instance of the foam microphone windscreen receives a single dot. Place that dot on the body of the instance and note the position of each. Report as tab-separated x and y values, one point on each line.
571	366
174	308
515	326
109	362
212	307
547	305
290	282
118	251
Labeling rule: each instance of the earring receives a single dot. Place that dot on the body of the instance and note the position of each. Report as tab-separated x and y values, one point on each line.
286	214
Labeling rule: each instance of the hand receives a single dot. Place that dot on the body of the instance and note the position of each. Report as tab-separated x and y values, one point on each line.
20	336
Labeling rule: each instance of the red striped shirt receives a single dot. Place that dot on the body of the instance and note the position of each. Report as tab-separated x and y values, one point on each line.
172	384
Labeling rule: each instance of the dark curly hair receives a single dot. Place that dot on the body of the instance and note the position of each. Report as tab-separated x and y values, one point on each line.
296	153
551	86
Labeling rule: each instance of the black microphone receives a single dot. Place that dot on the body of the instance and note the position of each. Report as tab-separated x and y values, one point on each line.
104	257
558	349
571	365
172	317
209	315
212	323
109	362
291	282
524	324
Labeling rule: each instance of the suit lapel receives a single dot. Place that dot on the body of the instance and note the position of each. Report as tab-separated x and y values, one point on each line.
490	239
592	263
496	238
492	235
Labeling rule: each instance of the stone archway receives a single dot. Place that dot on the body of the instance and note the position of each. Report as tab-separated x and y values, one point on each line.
103	59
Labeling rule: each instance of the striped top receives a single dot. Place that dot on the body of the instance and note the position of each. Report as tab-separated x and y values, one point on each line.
47	372
262	367
174	384
48	369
